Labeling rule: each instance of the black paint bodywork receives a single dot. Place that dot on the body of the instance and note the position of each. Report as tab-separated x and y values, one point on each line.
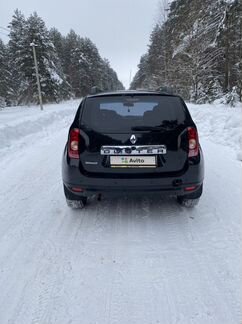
174	171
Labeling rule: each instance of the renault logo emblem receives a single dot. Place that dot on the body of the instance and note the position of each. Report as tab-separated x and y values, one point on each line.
133	139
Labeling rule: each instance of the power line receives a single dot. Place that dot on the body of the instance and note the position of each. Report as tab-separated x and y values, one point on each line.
7	29
3	33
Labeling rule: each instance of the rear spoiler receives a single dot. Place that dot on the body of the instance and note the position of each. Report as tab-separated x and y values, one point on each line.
166	90
95	90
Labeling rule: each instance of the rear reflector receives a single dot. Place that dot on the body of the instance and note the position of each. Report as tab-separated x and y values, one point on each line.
193	142
77	189
190	188
73	144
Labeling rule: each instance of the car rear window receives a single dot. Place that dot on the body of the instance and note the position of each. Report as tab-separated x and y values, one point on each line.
115	114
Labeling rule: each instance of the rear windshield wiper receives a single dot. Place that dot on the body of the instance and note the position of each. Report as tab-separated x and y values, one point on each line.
149	128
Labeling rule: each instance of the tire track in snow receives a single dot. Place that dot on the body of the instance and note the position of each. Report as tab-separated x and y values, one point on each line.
171	265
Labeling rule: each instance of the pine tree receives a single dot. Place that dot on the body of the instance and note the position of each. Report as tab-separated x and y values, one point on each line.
58	41
5	90
71	61
91	68
109	78
65	89
231	42
50	75
85	68
53	84
141	78
16	52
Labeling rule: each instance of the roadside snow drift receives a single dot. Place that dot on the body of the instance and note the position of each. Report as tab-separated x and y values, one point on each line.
139	260
220	124
18	122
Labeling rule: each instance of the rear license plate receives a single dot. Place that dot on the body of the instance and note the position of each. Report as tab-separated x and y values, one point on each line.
133	161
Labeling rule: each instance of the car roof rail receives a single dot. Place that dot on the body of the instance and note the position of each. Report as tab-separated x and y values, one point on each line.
95	90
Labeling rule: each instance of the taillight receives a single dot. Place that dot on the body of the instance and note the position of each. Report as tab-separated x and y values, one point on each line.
73	145
193	142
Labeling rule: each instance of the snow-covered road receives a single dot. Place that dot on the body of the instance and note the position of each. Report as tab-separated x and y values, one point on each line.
124	260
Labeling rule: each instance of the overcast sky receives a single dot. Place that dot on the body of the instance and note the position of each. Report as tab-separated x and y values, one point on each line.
119	28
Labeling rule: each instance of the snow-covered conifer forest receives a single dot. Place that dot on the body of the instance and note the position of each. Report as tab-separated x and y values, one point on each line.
68	65
196	49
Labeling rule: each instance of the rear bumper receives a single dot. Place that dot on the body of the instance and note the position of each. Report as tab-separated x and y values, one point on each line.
172	185
143	188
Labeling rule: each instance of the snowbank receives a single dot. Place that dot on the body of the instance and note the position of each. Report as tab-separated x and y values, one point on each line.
19	122
220	124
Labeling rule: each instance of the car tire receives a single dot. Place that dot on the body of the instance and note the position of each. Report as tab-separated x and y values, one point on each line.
74	201
189	203
190	200
77	204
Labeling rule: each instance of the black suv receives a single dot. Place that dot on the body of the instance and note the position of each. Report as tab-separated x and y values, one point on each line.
132	141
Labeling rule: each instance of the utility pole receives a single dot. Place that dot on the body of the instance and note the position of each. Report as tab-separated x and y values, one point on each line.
130	77
37	76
